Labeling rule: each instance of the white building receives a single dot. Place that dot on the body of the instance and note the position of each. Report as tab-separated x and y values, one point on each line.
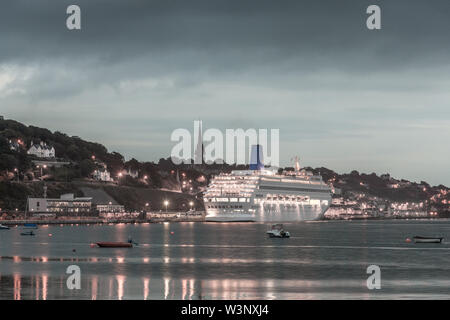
66	205
132	173
338	201
110	210
41	150
102	175
14	145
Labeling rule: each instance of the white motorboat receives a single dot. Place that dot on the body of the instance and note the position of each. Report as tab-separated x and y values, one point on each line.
277	231
418	239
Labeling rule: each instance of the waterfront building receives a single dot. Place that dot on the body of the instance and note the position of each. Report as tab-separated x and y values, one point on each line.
110	208
66	205
336	191
338	201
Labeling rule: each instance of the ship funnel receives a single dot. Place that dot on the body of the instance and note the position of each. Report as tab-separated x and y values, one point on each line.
297	164
256	159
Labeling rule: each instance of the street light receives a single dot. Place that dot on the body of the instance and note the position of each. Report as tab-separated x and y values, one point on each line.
191	204
166	203
42	167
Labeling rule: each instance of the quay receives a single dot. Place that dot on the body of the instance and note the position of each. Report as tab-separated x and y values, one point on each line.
152	218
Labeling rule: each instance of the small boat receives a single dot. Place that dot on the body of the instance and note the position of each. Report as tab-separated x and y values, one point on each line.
28	233
418	239
3	227
115	244
30	226
277	231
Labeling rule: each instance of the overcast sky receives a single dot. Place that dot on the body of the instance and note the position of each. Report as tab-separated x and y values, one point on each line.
343	96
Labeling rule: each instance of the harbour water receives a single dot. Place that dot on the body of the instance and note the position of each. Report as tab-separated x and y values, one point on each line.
321	260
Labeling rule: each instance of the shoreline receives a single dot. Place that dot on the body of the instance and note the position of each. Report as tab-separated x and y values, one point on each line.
94	221
98	221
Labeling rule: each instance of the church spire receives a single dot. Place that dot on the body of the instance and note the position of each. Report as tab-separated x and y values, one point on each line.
199	151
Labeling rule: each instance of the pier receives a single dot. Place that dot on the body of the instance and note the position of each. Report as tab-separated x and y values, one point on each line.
158	217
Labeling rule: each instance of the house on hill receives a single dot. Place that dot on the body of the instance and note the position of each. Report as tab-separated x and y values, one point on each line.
14	145
132	173
102	174
41	150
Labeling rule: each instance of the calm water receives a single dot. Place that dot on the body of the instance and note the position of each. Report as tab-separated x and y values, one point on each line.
322	260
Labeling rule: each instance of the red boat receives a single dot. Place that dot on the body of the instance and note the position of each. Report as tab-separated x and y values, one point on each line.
115	244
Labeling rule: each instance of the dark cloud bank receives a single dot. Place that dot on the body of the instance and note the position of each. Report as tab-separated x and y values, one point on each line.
341	95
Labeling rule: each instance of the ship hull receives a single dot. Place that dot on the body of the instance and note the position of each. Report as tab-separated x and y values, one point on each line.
269	214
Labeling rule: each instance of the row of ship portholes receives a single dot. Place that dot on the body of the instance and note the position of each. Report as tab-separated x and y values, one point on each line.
293	199
268	204
225	207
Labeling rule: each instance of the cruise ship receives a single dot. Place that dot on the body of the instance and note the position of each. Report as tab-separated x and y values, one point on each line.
262	195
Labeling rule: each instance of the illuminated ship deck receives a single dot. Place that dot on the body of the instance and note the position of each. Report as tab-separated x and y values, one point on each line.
264	195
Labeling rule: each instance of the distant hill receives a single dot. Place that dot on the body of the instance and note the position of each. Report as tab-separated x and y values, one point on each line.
83	155
67	148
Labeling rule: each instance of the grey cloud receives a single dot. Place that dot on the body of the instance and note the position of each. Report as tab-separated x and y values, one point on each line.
309	68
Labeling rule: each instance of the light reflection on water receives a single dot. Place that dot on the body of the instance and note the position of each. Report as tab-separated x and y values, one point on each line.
190	289
214	261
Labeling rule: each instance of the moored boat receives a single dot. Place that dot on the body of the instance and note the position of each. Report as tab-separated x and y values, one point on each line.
30	226
418	239
28	233
3	227
277	231
115	244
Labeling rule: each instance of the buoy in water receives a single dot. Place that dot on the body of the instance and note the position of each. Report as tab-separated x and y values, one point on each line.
408	240
171	232
93	245
50	235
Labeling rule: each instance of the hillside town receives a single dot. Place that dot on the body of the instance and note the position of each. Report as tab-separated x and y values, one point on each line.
45	174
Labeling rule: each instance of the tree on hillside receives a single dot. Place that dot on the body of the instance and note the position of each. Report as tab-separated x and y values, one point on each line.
87	166
114	161
73	152
4	146
8	162
132	164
